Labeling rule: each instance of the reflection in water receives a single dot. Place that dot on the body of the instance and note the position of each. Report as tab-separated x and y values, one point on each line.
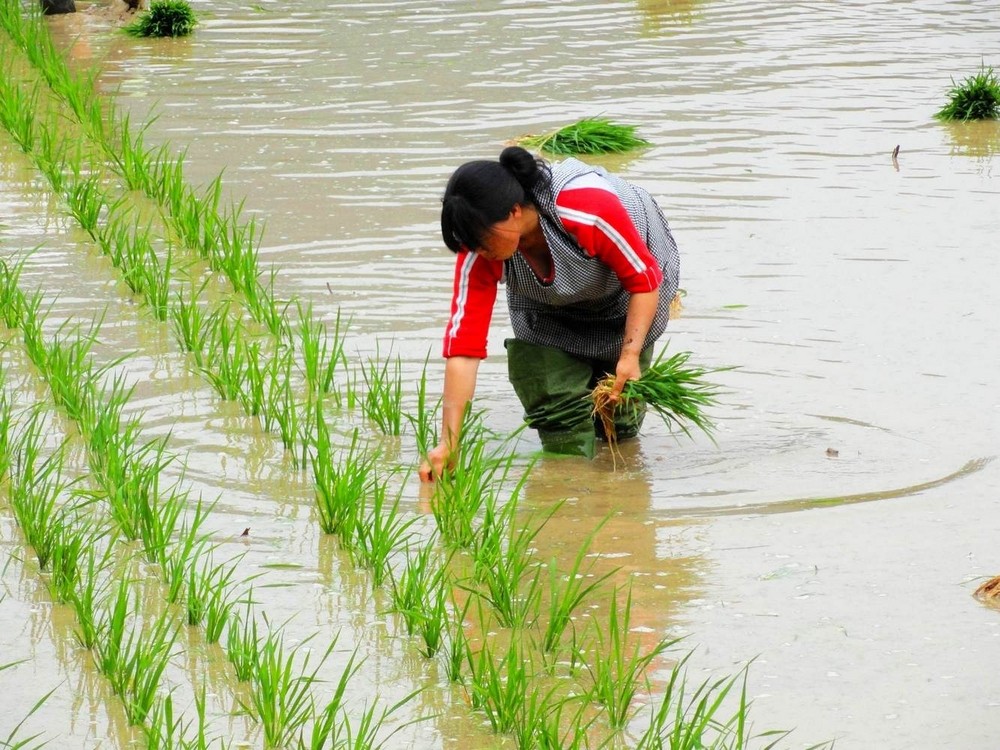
977	138
657	14
611	512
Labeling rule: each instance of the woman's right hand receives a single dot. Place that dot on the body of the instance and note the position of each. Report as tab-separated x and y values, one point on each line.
439	460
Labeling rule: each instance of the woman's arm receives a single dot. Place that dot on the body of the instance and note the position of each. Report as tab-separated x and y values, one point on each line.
638	319
459	387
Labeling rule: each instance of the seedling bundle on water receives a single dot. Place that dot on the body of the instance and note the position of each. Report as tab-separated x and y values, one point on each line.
591	135
976	98
165	18
676	391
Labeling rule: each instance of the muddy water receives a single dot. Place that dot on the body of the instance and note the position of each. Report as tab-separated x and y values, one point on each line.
836	530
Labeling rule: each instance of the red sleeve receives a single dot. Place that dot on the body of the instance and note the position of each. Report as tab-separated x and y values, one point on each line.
472	301
596	218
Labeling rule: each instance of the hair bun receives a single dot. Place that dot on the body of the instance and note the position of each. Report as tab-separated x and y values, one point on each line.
527	169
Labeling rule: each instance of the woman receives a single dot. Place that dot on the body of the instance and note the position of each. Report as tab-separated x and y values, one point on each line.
590	268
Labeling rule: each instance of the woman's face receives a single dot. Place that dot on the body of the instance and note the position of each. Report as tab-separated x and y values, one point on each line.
502	240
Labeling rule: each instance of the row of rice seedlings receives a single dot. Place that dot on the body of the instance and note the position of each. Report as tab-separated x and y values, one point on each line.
208	595
132	658
134	664
230	245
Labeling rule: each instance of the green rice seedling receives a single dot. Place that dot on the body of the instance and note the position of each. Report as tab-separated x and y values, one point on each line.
191	324
243	642
568	592
11	299
133	659
86	596
688	722
132	486
424	420
280	696
210	595
17	108
284	408
500	688
129	157
186	547
975	98
365	735
252	396
329	725
158	520
383	401
458	650
165	18
52	155
381	530
320	357
341	481
163	731
553	732
678	392
74	535
226	353
591	135
617	667
31	320
509	576
35	487
267	311
411	589
87	200
166	177
146	657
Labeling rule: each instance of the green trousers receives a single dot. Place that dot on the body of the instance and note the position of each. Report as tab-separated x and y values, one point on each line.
554	388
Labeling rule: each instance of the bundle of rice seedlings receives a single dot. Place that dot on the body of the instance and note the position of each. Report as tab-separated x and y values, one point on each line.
976	98
165	18
591	135
672	388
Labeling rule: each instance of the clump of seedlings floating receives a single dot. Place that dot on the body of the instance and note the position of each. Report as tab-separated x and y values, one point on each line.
591	135
165	18
975	98
675	390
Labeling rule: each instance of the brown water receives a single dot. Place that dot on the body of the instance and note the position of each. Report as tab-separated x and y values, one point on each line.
855	292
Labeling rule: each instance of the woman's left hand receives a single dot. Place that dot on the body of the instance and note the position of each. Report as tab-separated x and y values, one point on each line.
627	369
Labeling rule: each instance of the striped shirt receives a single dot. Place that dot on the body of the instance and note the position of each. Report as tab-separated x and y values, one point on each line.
608	240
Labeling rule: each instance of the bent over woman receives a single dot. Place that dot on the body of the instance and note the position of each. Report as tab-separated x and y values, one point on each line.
590	268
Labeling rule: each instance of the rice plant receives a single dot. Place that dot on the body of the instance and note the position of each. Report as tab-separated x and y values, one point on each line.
164	732
499	688
424	419
420	597
243	642
509	578
476	481
458	650
364	735
191	324
185	547
74	534
329	726
165	18
320	355
86	597
568	591
341	482
618	665
975	98
380	531
280	697
383	401
591	135
17	111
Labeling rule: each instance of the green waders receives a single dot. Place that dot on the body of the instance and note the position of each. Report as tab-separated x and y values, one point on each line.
554	388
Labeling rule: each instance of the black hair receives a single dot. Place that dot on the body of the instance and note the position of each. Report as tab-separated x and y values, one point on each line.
481	193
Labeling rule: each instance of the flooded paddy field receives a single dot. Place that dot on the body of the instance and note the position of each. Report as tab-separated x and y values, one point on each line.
836	531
